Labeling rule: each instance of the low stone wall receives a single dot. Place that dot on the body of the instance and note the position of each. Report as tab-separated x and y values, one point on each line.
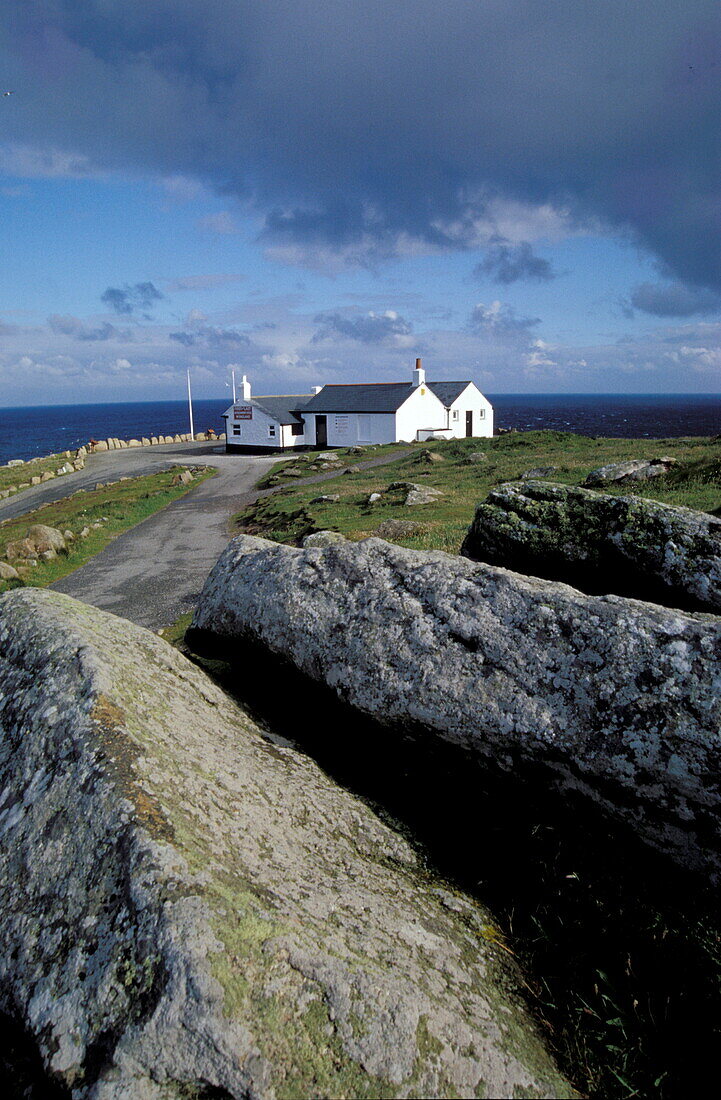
112	443
75	459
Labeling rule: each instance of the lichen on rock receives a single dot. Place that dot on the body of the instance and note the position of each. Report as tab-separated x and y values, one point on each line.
601	543
189	908
611	699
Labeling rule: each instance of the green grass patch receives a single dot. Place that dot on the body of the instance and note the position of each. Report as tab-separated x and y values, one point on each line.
116	507
289	514
18	475
309	463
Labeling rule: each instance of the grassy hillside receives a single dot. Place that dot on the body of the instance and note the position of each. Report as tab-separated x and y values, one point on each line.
464	480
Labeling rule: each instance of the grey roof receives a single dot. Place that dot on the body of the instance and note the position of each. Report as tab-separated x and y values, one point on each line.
282	407
447	392
378	397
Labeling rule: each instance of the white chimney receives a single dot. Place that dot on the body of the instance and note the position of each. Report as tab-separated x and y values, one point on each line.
316	389
419	375
245	389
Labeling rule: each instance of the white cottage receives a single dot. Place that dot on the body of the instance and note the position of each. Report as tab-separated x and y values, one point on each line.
342	415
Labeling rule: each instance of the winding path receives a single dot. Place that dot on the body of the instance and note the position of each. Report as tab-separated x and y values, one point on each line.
154	572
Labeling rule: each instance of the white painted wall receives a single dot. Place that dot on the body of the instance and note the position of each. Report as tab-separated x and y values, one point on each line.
347	429
256	432
421	410
471	400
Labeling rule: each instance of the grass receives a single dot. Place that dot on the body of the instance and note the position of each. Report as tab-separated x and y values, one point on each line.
117	507
309	463
17	475
288	514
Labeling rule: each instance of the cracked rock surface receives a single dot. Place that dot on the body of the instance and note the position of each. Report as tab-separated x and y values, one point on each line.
601	543
190	909
610	698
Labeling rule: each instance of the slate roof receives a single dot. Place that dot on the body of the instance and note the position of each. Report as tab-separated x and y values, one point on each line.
447	392
378	397
281	408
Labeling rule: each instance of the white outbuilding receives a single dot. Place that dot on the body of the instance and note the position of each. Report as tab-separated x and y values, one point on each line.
346	414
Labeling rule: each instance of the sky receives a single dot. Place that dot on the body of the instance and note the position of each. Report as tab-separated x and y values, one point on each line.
525	193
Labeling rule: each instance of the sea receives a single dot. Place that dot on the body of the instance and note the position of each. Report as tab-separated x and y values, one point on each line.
30	432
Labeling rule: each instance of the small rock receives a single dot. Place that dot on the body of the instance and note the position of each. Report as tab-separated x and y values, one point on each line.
477	456
4	493
538	472
100	485
7	572
323	538
20	548
328	498
35	480
16	462
353	470
374	497
48	555
84	533
101	446
134	443
183	477
46	538
356	450
145	441
49	475
423	495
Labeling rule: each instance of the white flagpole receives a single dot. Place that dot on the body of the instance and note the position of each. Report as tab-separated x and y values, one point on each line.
233	374
190	408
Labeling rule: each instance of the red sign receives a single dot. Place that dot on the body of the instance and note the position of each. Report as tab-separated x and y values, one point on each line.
242	412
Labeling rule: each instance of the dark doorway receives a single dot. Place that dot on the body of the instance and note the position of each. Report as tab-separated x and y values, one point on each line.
321	431
469	423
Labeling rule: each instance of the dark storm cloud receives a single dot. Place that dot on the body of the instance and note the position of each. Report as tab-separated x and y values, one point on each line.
674	300
127	300
367	126
371	328
209	336
507	263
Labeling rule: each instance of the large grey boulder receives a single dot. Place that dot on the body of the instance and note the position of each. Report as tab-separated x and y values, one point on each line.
189	909
610	698
601	543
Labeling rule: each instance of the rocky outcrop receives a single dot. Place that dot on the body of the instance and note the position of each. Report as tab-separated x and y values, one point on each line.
39	539
636	469
610	698
601	543
189	909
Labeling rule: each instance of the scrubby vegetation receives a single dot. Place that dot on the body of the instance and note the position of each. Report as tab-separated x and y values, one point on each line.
464	470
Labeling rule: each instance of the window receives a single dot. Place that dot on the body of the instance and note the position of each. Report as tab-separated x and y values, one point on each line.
296	429
236	429
481	413
456	414
271	431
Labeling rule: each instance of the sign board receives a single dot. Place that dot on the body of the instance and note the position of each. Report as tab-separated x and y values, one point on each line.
242	412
